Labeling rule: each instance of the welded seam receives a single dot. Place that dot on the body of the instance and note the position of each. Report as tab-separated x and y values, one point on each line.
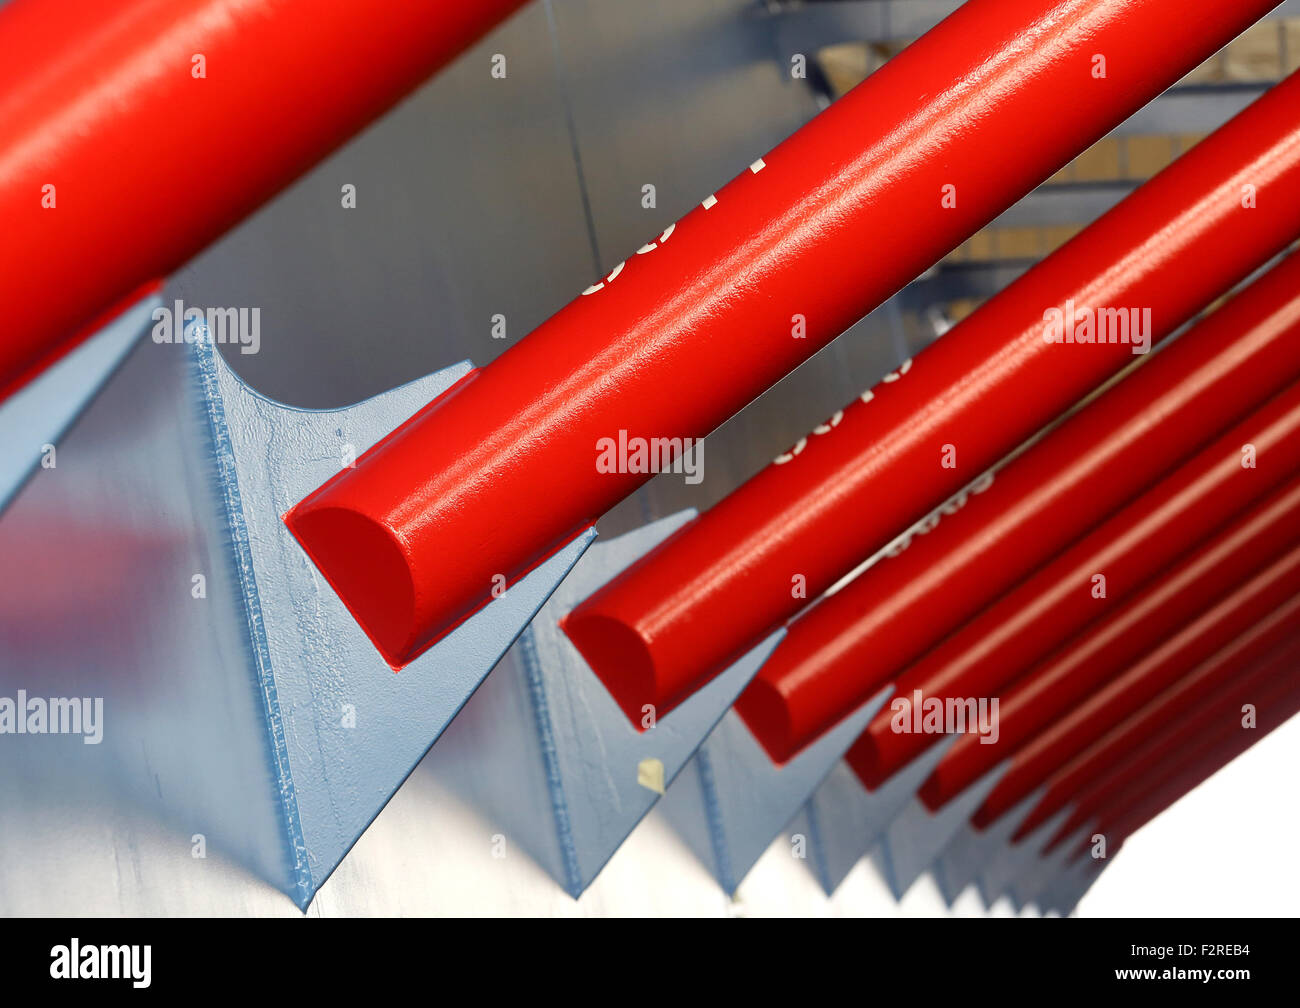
817	846
224	456
887	864
550	761
713	816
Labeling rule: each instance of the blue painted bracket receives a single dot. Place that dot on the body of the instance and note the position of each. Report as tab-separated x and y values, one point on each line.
1006	863
242	703
1035	876
545	754
968	852
1067	889
736	800
38	414
916	836
845	820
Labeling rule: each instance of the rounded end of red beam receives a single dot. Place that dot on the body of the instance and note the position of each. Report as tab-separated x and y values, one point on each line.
618	655
802	691
938	790
881	751
985	816
864	760
403	539
620	632
766	713
1008	792
1038	815
366	565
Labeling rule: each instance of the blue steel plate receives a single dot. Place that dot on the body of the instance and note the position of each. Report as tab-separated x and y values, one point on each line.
737	800
970	849
845	820
40	412
545	753
246	709
917	836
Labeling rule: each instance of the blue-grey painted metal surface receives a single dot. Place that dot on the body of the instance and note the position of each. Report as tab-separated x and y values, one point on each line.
1064	893
807	27
315	657
38	413
1004	864
545	753
845	820
242	705
1035	876
733	801
917	836
959	865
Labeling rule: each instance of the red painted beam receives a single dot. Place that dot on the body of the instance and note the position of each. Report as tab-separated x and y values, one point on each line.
852	643
1171	767
1129	548
1123	823
489	480
1271	641
725	581
150	162
1176	665
1098	655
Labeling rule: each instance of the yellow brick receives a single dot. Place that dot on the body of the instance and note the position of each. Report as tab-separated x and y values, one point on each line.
1017	243
1255	55
980	247
1291	43
1209	72
958	254
1065	175
846	65
1186	141
958	310
1146	155
1055	237
1099	163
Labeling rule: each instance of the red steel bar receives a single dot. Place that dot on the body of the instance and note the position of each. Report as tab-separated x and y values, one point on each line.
1123	823
1153	779
496	475
1176	665
150	162
1161	786
1096	656
724	582
852	643
1271	641
1129	549
1154	788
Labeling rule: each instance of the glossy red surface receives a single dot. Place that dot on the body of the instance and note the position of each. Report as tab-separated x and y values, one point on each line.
1131	547
704	318
1179	759
851	644
1138	706
151	163
724	582
1123	821
1093	658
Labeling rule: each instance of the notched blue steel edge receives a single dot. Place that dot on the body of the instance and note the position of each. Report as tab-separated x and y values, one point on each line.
205	366
349	783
